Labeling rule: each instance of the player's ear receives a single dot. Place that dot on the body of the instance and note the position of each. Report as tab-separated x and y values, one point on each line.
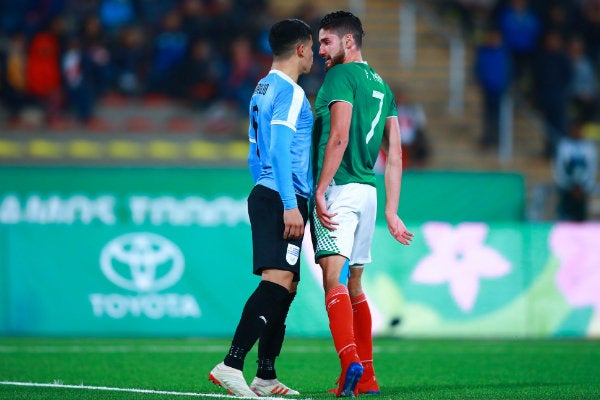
348	40
300	50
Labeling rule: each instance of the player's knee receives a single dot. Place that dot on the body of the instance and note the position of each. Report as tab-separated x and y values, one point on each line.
355	282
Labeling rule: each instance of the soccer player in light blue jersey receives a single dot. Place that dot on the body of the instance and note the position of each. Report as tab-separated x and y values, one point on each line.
279	132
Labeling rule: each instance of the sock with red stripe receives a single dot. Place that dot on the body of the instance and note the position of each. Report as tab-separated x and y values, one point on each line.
364	339
362	328
339	310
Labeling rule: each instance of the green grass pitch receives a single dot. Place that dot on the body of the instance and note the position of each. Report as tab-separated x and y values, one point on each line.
152	369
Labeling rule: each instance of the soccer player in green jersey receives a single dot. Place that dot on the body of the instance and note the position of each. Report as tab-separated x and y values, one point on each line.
355	116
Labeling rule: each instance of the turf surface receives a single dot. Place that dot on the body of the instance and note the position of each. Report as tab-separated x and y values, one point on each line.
407	369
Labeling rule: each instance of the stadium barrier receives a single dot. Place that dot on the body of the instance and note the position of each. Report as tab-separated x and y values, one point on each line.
166	252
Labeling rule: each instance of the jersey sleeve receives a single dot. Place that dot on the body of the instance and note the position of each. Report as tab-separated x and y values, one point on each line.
281	157
338	87
286	111
287	106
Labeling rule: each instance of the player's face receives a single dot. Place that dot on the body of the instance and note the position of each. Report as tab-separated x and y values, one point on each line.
308	57
331	48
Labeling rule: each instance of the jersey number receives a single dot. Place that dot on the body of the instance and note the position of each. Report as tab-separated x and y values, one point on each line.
379	96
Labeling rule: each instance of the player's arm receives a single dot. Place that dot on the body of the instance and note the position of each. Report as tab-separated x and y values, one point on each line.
392	178
281	143
253	158
341	115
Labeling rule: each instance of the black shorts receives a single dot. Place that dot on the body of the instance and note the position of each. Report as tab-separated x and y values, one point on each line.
269	248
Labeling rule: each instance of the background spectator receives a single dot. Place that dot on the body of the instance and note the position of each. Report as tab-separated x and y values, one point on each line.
552	81
584	87
196	21
95	46
521	27
44	82
591	28
77	72
413	133
13	76
13	15
198	76
115	14
493	74
575	174
150	13
559	16
170	48
413	130
130	61
241	73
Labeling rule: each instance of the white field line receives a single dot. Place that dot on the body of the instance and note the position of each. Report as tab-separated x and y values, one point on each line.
131	390
45	349
112	349
482	348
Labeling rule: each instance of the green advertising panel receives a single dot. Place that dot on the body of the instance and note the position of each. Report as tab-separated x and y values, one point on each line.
486	280
455	280
110	195
166	252
131	280
122	280
460	196
4	304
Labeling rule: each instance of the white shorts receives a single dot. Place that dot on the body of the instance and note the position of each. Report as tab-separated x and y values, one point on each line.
356	208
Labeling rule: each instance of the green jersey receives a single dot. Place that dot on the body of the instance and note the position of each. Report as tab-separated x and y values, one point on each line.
372	102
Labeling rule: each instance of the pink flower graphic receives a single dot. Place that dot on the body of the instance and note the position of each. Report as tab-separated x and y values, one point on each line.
577	246
459	256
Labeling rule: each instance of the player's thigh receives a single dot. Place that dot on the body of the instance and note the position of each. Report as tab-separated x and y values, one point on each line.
269	249
341	202
363	237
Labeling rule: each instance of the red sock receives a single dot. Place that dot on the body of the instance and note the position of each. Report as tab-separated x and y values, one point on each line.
339	310
363	331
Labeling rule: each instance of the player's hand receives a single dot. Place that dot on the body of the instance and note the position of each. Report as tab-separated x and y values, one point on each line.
398	230
294	224
325	217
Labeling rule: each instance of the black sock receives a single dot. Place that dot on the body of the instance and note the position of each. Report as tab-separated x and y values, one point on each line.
271	341
258	311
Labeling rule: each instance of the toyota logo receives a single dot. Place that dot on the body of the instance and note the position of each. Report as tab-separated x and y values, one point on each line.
142	262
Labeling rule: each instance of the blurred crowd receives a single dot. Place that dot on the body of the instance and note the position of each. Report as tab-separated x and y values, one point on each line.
546	50
60	56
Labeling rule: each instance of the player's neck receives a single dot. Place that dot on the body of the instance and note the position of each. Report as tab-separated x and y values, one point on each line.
353	56
288	68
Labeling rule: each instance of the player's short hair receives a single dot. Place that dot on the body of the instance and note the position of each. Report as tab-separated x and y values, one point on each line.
285	35
342	23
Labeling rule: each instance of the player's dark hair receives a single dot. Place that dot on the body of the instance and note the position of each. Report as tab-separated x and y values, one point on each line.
285	35
342	23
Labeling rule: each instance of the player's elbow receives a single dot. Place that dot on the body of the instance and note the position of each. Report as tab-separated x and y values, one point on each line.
339	142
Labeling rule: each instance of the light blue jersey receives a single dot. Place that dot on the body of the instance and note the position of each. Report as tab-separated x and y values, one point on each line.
280	132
